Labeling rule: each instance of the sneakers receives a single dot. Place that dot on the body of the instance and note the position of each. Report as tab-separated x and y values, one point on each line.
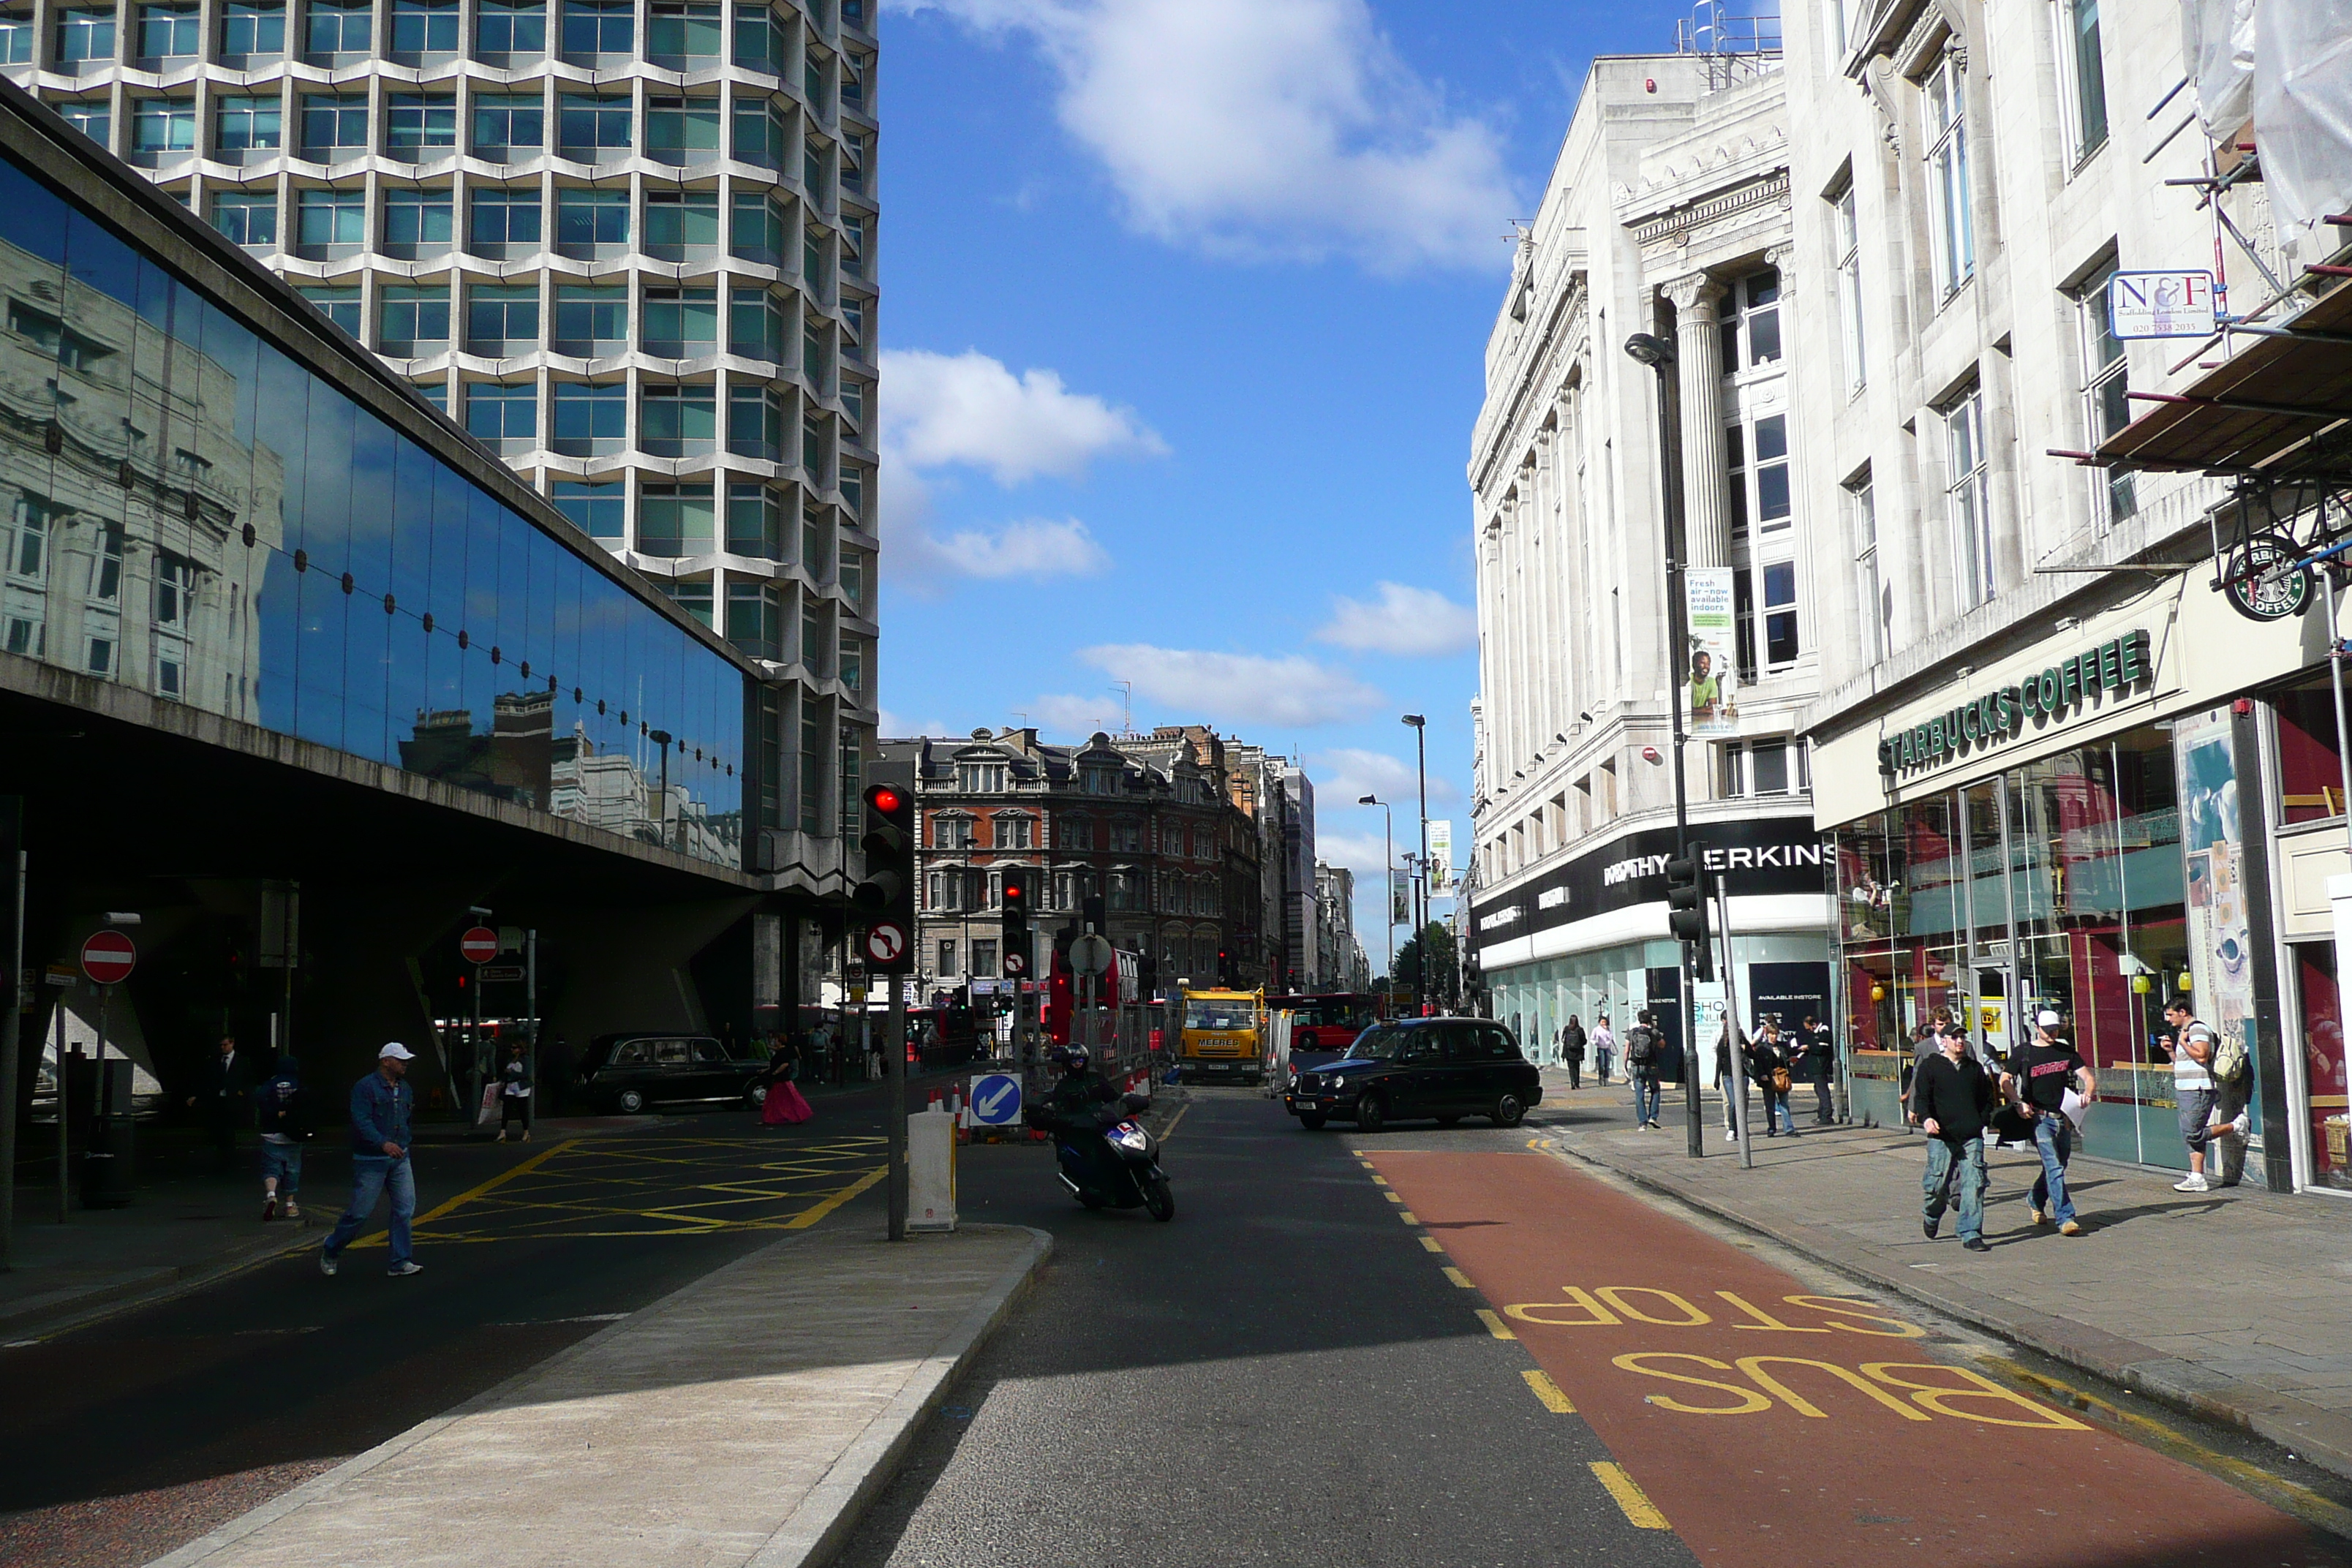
1928	1227
2194	1183
1976	1244
2070	1228
292	1210
2240	1127
269	1208
326	1264
501	1137
1731	1134
408	1266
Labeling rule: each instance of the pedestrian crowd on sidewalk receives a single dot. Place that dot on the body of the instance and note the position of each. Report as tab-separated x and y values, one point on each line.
1961	1092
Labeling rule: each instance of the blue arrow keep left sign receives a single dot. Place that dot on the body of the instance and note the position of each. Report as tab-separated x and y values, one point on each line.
995	1099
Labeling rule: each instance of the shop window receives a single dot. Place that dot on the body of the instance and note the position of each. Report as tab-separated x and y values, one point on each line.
2310	769
2330	1093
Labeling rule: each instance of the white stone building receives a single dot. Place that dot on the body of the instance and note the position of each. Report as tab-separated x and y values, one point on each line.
1668	215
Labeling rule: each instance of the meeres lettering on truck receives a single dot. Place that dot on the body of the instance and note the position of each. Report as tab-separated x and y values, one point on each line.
1224	1035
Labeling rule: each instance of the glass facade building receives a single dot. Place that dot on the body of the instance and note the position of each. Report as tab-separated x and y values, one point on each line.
193	512
628	247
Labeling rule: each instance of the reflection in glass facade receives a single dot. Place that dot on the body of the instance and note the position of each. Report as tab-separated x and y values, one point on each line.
192	512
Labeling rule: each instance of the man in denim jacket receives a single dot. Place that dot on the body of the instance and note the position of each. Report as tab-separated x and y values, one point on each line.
381	1106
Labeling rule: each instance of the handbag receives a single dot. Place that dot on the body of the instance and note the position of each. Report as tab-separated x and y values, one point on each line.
1781	1080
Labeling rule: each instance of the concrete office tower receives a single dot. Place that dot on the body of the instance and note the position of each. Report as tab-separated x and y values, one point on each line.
1667	215
630	246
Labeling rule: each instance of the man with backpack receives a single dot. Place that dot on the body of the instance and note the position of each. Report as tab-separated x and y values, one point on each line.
283	1117
2203	1063
1643	1047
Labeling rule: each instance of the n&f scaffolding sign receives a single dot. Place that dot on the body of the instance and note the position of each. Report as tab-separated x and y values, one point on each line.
2160	305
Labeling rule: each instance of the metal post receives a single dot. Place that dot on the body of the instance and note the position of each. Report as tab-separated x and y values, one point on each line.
13	996
1736	1074
65	1159
894	1102
2336	680
531	1012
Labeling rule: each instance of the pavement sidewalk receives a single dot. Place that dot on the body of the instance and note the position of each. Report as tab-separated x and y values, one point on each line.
2235	1305
747	1418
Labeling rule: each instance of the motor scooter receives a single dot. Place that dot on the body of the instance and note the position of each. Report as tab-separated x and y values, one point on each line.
1108	1161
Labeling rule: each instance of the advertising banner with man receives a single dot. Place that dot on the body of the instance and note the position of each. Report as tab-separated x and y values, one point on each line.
1711	621
1441	857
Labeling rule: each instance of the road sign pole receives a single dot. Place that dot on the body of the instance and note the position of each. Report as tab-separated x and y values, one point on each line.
65	1160
530	1011
894	1088
13	996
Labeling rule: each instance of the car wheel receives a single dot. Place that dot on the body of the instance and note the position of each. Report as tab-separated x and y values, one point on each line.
1371	1113
1508	1111
1449	1121
630	1100
755	1095
1311	1120
1160	1199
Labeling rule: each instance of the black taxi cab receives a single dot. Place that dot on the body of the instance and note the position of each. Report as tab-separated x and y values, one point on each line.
1445	1068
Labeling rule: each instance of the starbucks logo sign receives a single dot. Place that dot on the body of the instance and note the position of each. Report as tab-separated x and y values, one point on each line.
2257	589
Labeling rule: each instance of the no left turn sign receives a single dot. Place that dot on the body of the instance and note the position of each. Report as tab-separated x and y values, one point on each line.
884	940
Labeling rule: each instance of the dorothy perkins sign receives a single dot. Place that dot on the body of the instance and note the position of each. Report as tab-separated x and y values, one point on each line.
2119	664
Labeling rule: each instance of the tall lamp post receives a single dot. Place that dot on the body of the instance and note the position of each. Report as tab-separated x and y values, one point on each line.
1388	892
1420	913
1659	355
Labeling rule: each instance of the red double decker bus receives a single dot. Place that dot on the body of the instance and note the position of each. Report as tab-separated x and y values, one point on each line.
1328	1021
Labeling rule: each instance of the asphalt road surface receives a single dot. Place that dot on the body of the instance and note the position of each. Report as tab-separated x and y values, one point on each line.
148	1428
1452	1349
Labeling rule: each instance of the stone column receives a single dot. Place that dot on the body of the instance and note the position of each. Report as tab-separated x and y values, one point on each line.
1698	361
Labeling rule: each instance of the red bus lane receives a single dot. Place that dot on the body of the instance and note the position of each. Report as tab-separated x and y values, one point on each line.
1772	1424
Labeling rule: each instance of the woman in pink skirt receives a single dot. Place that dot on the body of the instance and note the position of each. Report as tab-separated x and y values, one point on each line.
786	1106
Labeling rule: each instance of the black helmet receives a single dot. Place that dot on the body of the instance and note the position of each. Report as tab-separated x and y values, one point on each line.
1073	1058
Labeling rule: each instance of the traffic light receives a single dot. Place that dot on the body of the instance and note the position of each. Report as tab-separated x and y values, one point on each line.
886	895
1019	945
1686	910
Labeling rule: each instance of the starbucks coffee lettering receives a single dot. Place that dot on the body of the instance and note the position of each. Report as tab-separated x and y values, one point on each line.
2002	713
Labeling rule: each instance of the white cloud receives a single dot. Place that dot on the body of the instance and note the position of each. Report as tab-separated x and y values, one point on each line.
1407	622
1064	714
1344	776
943	410
1267	128
1360	852
889	726
1032	548
1235	689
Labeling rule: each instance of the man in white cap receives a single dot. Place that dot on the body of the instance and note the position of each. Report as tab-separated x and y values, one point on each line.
381	1107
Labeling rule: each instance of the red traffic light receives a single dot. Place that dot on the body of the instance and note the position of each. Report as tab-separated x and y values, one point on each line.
884	798
1015	892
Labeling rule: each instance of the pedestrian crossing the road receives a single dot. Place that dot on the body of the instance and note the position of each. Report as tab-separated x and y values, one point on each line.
643	1185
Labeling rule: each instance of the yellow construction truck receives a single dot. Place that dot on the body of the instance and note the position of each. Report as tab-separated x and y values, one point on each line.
1224	1035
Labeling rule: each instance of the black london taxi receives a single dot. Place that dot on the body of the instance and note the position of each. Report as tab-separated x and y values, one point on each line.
629	1072
1443	1068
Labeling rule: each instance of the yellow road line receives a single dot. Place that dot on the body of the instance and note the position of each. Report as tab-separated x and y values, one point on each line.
1407	1216
1434	1245
1390	1195
471	1194
1379	1180
1171	1125
1459	1277
1550	1393
1495	1325
1640	1512
802	1221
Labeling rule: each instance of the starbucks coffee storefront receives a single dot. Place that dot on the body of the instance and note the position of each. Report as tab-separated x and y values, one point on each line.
2140	806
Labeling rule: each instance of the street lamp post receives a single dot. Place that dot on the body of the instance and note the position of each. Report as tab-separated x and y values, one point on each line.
1388	891
1659	355
1421	911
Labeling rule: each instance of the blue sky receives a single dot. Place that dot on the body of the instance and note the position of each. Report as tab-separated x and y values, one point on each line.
1184	306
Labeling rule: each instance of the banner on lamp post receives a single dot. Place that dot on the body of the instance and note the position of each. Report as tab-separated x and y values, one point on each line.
1441	858
1400	902
1711	670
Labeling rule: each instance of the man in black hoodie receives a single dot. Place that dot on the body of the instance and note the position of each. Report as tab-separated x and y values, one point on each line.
1950	1099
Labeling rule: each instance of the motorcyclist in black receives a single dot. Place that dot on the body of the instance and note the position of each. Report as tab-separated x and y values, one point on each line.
1073	1109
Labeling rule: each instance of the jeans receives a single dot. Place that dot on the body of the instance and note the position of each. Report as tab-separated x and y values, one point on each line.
282	1164
1645	1095
1778	1118
2053	1140
371	1174
1575	1065
1822	1113
1600	1064
1731	1091
1946	1159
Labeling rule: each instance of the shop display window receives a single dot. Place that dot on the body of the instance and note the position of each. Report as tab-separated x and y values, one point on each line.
2310	771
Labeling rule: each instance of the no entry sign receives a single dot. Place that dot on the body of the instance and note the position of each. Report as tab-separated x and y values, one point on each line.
480	945
107	957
